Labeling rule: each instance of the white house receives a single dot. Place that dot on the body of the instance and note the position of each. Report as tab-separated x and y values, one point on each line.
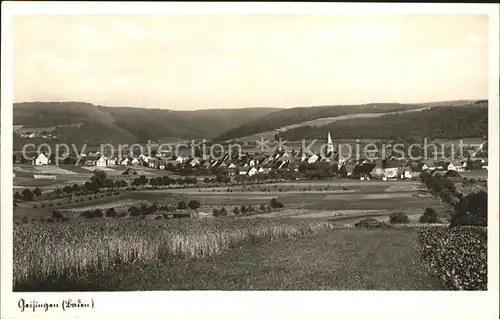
125	162
260	170
194	162
252	171
102	161
252	163
451	167
391	172
180	159
135	161
41	160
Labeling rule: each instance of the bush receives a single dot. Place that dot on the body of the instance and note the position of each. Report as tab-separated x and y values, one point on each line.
399	218
369	223
457	255
263	207
194	204
276	204
471	210
182	205
216	212
42	205
111	212
223	212
35	207
92	213
251	209
90	197
56	215
429	216
236	210
244	209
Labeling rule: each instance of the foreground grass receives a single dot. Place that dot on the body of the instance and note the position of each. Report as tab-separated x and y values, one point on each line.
51	256
304	255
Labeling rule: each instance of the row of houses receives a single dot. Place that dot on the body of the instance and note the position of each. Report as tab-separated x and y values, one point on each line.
254	163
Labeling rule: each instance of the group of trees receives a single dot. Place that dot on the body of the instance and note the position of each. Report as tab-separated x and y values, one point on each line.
27	195
242	210
470	209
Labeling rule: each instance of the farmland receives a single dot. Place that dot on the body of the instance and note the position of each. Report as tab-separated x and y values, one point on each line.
321	199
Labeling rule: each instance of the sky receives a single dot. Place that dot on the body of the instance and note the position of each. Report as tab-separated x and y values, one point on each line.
186	62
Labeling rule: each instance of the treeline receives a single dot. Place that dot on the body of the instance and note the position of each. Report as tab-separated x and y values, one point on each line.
438	122
296	115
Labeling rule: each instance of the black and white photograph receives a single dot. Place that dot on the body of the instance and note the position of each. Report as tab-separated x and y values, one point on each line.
250	152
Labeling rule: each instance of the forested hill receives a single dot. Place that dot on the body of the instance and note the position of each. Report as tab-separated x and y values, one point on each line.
437	122
296	115
100	124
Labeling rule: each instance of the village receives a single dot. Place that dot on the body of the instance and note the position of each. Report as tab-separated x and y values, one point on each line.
281	160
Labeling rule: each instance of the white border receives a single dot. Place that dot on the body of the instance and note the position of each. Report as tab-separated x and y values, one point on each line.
255	304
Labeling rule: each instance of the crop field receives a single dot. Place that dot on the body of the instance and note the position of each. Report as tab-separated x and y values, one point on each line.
71	251
223	254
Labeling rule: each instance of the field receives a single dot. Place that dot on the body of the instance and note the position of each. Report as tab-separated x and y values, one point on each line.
339	198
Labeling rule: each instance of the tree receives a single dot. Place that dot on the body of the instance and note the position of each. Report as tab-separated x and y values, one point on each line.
18	196
68	189
236	210
276	204
244	209
302	167
471	210
223	211
216	212
27	195
118	184
194	204
76	188
58	191
37	192
206	180
181	205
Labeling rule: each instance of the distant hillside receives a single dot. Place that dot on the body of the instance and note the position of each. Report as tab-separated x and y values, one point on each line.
101	124
279	119
448	122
